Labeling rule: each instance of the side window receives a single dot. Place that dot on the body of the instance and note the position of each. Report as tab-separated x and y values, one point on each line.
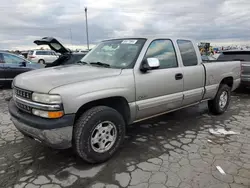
164	51
188	54
39	52
11	59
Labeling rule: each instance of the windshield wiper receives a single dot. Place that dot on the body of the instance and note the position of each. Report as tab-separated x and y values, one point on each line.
100	64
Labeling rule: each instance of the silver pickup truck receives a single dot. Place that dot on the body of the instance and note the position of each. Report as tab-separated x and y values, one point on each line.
88	104
239	55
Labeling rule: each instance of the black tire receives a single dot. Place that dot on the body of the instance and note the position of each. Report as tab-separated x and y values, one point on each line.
41	61
214	105
85	126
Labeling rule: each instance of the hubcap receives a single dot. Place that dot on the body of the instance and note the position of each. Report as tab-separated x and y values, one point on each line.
223	99
103	137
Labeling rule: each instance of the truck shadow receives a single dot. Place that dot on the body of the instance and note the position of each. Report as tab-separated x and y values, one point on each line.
245	91
144	140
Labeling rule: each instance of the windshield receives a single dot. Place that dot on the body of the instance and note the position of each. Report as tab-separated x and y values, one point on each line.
119	53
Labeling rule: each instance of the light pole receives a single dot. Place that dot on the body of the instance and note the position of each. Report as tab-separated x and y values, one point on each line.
71	37
87	30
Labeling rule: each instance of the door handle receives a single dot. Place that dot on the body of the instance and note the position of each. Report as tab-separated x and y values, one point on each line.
178	76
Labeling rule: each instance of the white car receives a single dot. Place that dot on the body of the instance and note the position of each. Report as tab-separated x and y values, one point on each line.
42	56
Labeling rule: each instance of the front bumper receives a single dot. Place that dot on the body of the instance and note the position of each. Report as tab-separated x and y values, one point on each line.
56	133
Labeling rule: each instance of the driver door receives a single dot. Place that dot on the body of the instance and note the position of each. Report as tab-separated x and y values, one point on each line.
13	66
159	90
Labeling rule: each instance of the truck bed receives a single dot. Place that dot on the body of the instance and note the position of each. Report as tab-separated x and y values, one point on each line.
216	71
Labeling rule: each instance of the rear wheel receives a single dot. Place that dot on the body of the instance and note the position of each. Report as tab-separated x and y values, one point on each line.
98	134
221	101
41	61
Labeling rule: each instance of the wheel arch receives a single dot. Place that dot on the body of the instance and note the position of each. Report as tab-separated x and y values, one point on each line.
118	103
227	81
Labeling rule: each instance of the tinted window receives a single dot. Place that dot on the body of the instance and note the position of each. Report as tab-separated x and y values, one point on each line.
235	56
188	53
164	51
39	52
43	53
11	59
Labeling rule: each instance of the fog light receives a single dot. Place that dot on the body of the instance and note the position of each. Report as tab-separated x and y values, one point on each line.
46	114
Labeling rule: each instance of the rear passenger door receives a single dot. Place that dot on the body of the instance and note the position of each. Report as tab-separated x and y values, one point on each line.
161	89
193	73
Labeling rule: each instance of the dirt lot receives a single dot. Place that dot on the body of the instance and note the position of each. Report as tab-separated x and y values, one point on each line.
174	150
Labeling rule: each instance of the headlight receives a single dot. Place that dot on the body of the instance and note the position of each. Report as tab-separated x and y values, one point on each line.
46	98
47	114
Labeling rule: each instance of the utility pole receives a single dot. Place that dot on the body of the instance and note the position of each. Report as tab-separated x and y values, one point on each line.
87	30
71	37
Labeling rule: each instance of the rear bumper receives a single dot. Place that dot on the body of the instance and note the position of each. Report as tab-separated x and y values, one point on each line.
56	133
245	80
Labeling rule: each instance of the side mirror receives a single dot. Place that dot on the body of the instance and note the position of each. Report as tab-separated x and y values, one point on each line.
150	64
22	64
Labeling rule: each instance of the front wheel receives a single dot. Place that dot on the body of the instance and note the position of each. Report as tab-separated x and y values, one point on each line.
98	134
221	101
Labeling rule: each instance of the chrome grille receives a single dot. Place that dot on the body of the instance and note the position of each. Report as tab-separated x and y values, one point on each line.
23	107
23	93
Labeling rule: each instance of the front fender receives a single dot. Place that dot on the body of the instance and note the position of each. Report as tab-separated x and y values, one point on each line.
72	106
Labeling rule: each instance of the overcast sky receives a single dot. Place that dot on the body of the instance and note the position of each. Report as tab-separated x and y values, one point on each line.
220	21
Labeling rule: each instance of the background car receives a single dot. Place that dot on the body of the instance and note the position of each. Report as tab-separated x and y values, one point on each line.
11	65
244	57
66	57
42	56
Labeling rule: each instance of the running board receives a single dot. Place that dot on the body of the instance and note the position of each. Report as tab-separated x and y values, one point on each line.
170	111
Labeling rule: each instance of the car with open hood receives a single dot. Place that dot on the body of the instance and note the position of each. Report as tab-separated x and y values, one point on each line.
66	55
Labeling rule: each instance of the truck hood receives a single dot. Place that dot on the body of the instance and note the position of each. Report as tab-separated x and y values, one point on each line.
44	80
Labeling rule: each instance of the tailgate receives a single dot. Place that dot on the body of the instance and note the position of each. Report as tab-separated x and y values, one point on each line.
245	66
245	71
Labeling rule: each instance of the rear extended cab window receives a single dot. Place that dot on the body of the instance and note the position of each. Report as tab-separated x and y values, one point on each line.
234	56
188	54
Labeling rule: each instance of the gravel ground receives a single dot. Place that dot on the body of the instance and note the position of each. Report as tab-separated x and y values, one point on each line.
174	150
